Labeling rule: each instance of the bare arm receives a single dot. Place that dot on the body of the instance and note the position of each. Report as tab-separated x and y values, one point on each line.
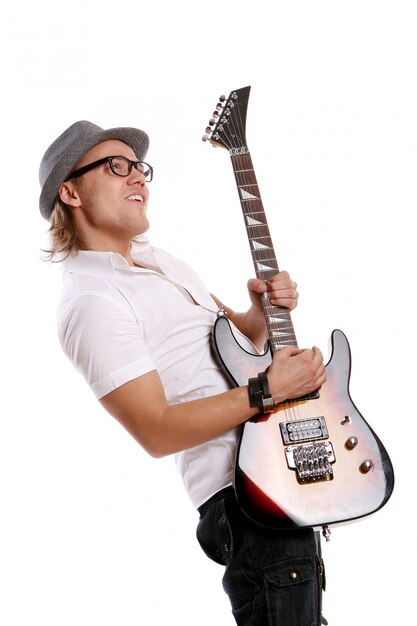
140	405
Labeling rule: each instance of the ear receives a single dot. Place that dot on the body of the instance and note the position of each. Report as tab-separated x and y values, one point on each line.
69	195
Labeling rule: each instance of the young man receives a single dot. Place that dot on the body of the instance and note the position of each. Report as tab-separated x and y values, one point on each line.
136	322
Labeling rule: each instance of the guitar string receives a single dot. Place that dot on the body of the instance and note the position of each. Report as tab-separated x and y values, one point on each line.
248	177
232	141
232	130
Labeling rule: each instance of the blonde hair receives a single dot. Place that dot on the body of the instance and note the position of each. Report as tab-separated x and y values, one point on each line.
63	236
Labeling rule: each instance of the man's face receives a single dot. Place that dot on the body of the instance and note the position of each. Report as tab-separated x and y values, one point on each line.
109	205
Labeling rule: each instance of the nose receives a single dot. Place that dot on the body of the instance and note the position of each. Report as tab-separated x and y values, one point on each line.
136	177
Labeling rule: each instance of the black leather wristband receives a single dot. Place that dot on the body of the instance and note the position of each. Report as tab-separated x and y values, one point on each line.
263	380
255	394
260	396
268	403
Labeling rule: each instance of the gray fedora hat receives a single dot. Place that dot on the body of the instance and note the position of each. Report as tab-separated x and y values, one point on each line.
63	154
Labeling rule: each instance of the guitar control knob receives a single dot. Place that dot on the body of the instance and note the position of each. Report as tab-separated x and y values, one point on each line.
351	443
366	466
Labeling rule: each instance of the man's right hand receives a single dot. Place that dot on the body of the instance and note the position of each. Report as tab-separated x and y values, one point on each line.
294	373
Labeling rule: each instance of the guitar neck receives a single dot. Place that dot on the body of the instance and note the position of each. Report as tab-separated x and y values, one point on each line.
278	319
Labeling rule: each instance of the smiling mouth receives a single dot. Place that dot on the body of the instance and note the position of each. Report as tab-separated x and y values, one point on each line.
136	198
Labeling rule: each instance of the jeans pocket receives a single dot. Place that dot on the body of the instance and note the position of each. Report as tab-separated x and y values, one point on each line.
214	533
292	592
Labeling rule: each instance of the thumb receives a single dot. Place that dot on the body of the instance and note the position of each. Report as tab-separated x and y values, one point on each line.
257	285
293	351
289	351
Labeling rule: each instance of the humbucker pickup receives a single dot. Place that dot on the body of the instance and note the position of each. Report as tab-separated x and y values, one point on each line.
300	431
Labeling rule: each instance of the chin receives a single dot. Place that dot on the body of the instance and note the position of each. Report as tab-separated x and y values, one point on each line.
142	229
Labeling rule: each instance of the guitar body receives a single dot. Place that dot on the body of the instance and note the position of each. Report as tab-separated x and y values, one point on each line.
274	494
315	461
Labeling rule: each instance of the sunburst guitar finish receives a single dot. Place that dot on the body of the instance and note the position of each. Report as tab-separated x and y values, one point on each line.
315	461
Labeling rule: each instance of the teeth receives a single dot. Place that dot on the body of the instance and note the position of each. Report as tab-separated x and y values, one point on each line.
135	197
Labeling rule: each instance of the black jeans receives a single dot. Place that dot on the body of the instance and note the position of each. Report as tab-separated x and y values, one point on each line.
272	578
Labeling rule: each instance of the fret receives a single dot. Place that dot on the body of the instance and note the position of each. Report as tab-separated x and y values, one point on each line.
258	230
247	175
259	225
273	319
263	255
259	258
278	319
264	275
260	254
285	331
255	218
280	322
279	346
263	237
260	239
266	271
261	246
267	264
258	217
246	182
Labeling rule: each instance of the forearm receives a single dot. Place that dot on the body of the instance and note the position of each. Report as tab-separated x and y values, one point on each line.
162	429
292	374
186	425
252	325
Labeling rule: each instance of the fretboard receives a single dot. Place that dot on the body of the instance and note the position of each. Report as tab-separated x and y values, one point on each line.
278	319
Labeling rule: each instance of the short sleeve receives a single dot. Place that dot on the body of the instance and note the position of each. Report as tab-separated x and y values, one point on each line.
105	342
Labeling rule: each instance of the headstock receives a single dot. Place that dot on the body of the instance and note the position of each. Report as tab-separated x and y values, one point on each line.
228	125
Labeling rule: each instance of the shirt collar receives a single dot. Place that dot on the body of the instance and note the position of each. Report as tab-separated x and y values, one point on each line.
105	264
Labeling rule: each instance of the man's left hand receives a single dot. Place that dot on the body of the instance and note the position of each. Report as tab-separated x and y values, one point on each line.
282	291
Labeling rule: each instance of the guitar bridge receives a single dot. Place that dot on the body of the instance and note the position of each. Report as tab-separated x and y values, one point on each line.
312	461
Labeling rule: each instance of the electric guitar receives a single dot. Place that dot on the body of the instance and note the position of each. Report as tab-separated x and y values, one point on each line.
315	461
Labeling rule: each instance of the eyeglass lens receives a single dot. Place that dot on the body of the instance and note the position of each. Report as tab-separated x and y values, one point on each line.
123	166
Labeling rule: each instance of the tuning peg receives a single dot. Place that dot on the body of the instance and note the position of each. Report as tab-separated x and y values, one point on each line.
215	114
212	121
222	98
209	130
205	138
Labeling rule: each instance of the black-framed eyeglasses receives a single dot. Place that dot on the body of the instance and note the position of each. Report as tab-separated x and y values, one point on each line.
119	165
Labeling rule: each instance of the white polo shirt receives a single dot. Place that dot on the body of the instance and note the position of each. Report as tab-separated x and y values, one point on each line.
117	322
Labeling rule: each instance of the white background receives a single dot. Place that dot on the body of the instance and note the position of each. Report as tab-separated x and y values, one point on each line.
92	531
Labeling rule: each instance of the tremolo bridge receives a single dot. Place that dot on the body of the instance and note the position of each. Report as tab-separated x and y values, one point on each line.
308	452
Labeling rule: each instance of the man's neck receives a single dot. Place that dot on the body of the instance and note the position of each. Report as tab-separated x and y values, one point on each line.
111	246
